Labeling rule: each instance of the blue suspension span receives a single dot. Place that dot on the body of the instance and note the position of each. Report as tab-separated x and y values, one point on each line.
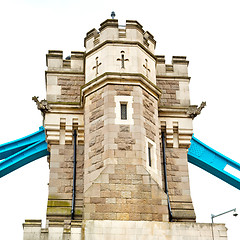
214	162
20	152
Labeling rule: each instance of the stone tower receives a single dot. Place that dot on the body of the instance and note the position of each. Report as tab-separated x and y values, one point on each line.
118	130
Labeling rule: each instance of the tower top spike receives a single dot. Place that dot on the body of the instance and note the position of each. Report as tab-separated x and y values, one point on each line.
113	14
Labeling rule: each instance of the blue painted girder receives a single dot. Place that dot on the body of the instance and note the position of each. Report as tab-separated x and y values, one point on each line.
214	162
20	152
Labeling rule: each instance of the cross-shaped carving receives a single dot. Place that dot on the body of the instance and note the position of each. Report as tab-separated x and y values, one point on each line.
146	67
122	59
97	65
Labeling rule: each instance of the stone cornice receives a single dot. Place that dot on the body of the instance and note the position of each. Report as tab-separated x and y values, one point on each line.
173	77
173	111
119	78
58	107
63	103
64	71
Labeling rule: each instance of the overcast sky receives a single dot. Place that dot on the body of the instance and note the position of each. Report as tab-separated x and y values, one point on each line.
205	31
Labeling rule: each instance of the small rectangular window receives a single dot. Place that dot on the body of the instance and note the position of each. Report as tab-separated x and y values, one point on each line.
149	157
124	111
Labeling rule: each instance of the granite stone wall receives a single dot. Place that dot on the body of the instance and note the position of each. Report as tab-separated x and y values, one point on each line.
117	184
178	185
61	182
169	90
70	88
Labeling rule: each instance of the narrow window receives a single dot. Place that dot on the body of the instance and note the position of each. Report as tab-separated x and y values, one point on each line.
124	111
149	157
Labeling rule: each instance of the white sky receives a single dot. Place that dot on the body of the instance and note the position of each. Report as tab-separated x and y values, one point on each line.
207	32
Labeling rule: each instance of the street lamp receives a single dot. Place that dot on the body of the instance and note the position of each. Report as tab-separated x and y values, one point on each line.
232	210
213	216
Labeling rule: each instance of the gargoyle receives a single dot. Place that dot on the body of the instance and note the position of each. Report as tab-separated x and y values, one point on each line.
42	105
194	110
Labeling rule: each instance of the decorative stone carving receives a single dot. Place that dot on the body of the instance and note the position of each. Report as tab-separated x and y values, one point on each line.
146	67
194	110
122	59
97	65
41	105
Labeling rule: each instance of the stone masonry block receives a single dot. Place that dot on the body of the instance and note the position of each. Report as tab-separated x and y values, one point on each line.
141	170
93	191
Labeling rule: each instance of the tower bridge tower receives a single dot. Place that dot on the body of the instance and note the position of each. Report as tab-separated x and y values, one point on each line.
118	129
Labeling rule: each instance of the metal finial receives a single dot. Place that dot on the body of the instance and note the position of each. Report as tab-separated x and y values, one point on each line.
113	14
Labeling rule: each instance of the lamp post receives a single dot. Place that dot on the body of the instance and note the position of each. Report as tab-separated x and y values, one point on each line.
213	216
232	210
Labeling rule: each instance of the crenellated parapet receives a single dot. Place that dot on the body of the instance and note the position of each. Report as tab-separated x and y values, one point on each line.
64	77
178	67
74	62
108	229
174	81
110	30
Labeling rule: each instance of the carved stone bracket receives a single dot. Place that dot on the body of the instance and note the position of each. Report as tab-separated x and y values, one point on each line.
177	136
60	130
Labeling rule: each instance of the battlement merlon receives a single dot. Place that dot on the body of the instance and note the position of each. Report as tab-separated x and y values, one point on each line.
55	61
110	31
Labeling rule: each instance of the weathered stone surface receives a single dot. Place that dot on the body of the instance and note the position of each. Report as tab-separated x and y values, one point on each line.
96	114
61	183
70	89
178	185
122	229
132	200
169	92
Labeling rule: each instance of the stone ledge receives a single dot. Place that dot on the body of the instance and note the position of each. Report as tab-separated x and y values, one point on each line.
120	78
108	229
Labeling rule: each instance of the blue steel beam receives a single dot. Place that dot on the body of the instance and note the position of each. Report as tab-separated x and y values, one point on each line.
214	162
20	152
23	157
10	148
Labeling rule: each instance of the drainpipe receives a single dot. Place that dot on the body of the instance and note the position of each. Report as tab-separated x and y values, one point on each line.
165	175
74	172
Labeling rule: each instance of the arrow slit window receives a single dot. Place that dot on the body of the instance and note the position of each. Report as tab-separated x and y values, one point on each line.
151	156
124	110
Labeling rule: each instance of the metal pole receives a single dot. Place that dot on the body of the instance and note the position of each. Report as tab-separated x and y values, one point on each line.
74	172
165	176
